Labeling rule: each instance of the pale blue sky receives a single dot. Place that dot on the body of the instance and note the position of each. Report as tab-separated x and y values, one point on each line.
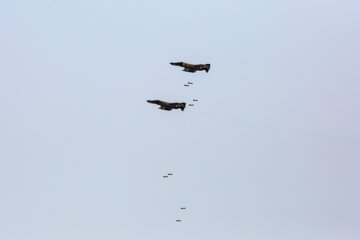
270	151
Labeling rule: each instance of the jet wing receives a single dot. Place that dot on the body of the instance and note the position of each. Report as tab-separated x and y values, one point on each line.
187	69
166	107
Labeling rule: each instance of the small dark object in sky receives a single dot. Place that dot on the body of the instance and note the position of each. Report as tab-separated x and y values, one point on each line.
168	106
195	100
190	83
165	176
178	220
186	85
170	174
192	67
191	105
182	208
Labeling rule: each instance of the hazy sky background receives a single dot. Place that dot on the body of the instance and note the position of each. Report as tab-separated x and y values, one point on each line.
270	151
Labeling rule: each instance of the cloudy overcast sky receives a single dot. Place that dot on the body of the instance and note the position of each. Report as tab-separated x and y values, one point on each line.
270	151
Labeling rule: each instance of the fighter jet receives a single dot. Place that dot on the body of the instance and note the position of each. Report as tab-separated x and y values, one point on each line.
186	85
192	67
168	106
182	208
195	100
178	220
191	105
190	83
170	174
165	176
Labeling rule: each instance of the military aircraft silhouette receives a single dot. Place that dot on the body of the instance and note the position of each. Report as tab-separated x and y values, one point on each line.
182	208
168	106
186	85
165	176
190	82
191	105
178	220
170	174
192	67
195	100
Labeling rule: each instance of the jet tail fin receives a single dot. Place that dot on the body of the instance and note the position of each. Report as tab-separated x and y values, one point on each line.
183	105
207	67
